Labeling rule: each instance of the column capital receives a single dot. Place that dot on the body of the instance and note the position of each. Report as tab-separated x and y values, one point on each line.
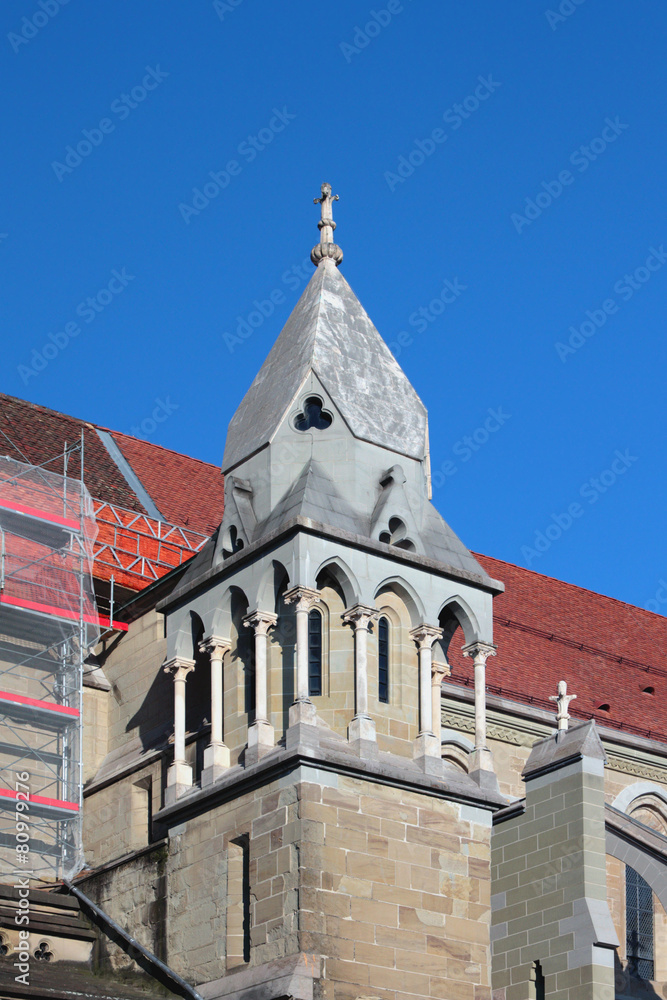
179	667
425	635
479	651
260	621
438	673
215	645
302	597
360	616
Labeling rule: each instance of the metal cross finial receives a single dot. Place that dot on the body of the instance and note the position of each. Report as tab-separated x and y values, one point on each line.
326	247
563	699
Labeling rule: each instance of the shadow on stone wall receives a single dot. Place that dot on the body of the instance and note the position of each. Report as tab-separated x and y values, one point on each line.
628	984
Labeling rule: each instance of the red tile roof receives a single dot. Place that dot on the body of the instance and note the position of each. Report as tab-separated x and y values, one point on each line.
34	434
186	491
609	652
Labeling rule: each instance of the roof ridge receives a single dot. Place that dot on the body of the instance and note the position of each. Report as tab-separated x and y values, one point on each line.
102	427
49	409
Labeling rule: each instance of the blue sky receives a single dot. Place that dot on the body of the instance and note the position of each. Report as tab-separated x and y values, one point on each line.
515	151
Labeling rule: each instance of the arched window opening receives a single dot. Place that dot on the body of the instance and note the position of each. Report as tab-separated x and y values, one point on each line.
604	708
638	924
231	541
383	660
314	653
649	690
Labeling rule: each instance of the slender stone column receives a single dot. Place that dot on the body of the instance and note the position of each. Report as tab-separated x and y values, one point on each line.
438	672
361	731
216	754
179	775
261	736
302	710
481	759
426	744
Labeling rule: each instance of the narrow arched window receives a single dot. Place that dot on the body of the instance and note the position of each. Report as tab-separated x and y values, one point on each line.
638	924
383	660
314	653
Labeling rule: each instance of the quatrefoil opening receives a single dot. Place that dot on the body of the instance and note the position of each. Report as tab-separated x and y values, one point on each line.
313	416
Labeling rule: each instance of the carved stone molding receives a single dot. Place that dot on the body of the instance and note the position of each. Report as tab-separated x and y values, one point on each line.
495	732
636	768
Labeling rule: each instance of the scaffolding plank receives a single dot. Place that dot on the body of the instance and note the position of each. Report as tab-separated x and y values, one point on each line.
24	706
64	614
41	805
41	515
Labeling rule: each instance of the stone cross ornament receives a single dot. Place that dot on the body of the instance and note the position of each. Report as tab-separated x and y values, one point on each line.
326	248
563	700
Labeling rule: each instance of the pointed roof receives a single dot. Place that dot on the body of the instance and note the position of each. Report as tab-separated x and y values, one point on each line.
330	333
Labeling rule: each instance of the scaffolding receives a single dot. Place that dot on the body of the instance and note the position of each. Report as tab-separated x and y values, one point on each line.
48	622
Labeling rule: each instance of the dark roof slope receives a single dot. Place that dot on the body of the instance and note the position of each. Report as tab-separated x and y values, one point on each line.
186	491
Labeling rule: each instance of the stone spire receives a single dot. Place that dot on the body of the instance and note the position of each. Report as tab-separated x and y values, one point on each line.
326	248
563	700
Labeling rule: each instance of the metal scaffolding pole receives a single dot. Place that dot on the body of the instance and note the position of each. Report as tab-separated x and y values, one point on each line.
48	622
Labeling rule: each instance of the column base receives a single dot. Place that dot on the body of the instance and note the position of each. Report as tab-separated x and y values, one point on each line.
261	739
216	761
302	725
179	781
481	769
427	753
302	712
362	738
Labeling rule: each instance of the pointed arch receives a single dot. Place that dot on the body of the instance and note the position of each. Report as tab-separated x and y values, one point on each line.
454	612
198	687
179	635
344	577
221	618
639	790
274	582
408	595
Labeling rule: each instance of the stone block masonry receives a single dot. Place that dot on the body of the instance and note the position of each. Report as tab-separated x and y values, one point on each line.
388	887
550	913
